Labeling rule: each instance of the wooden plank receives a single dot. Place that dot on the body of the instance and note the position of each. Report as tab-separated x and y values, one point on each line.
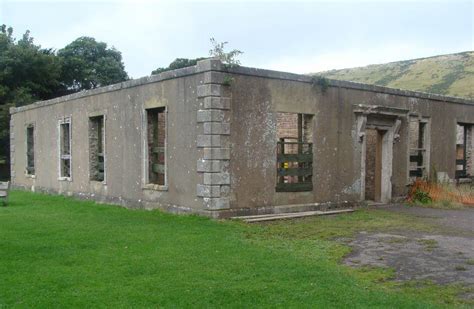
304	157
4	185
295	143
100	166
295	171
294	187
416	173
158	168
158	150
296	215
416	158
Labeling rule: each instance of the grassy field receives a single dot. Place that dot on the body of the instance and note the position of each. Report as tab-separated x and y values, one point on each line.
60	252
451	74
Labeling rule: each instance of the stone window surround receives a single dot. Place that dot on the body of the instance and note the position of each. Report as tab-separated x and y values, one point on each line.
145	166
99	114
470	142
27	126
64	120
427	142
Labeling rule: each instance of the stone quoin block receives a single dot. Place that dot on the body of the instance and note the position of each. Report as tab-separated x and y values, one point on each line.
210	115
217	203
217	103
213	77
209	65
225	191
209	90
210	166
216	128
208	191
216	153
208	141
216	178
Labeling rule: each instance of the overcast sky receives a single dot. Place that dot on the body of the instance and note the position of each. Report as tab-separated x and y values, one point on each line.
294	36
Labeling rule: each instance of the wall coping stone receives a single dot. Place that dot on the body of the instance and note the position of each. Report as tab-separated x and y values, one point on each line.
203	66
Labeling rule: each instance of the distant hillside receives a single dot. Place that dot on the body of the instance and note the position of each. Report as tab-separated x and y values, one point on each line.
446	74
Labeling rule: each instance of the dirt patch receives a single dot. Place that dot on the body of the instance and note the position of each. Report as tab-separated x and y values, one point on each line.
445	256
442	259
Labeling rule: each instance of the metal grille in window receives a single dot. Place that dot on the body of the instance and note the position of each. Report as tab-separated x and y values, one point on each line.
295	165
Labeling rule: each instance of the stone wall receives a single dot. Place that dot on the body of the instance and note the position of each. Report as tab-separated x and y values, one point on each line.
213	139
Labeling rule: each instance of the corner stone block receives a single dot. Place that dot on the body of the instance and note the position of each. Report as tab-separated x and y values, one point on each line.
209	90
216	203
225	190
216	103
210	166
208	191
208	141
209	65
216	178
210	115
213	78
216	128
216	153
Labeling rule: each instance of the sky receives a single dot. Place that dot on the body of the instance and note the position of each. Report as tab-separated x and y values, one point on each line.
292	36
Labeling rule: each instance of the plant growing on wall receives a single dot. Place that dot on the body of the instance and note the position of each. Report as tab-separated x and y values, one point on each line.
321	82
227	58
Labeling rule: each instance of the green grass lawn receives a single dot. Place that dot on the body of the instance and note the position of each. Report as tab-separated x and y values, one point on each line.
60	252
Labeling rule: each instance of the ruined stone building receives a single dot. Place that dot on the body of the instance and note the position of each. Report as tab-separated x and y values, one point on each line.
224	141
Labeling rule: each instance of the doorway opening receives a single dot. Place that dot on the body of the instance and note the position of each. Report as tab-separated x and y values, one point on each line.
373	164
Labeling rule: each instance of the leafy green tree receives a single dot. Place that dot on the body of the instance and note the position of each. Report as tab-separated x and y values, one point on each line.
178	63
88	64
27	73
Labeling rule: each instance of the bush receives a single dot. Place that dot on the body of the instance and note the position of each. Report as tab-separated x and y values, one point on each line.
421	197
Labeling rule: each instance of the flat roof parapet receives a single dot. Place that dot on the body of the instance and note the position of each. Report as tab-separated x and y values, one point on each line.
212	64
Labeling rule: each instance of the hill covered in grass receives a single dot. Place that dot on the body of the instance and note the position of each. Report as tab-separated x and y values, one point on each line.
451	74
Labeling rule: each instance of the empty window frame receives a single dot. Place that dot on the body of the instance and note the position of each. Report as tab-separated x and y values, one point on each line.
464	150
418	148
65	149
156	145
97	148
30	150
294	152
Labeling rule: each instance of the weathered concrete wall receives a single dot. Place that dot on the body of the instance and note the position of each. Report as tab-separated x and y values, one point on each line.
221	138
124	136
258	95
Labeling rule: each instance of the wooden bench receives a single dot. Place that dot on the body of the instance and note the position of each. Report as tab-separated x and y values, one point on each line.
4	187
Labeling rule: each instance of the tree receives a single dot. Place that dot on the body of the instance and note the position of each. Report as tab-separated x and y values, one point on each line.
217	51
178	63
88	64
27	73
228	58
